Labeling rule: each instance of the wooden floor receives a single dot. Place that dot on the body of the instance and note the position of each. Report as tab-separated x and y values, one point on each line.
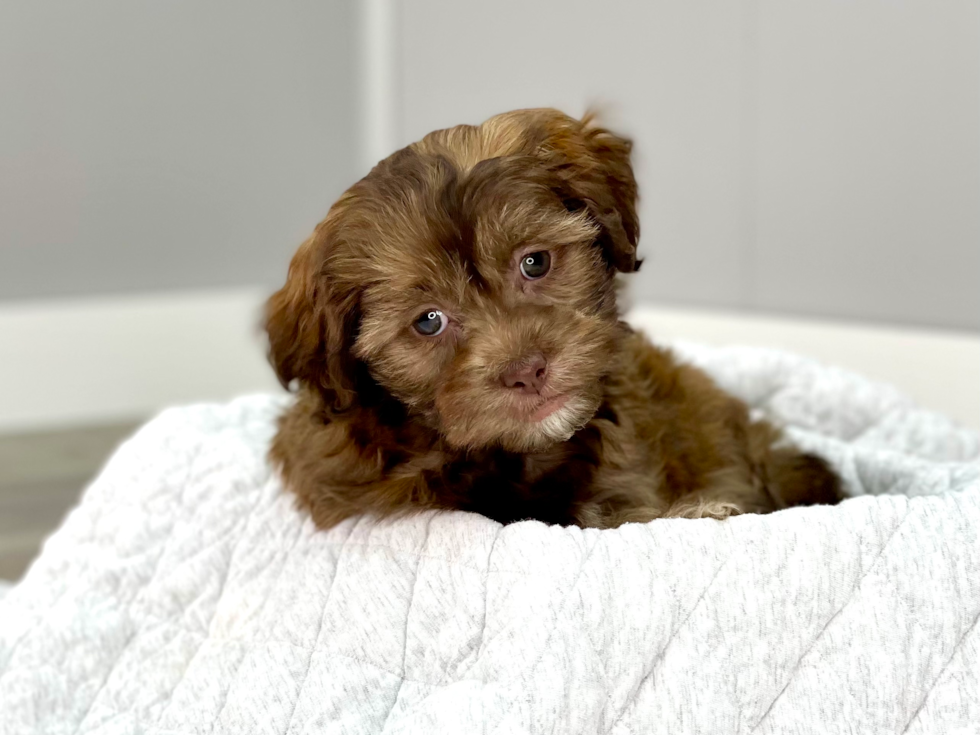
41	477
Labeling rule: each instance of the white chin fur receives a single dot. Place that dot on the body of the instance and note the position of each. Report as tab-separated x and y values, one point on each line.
564	422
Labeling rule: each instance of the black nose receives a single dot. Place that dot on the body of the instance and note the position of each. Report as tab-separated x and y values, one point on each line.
528	375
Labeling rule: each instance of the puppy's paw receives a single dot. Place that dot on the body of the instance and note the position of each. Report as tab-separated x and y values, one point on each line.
699	508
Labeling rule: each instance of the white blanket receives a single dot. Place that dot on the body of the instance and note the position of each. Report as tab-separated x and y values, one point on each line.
186	594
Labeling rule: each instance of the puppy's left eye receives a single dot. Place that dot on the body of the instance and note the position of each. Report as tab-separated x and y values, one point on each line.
431	323
535	265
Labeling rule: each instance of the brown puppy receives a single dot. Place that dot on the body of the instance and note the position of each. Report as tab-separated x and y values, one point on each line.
452	331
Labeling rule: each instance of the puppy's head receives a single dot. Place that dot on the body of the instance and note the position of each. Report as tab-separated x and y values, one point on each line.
470	277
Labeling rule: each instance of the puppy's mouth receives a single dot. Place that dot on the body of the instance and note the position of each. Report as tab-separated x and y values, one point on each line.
543	419
546	407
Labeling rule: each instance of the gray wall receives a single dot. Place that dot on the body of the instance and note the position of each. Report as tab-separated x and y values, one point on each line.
818	157
168	145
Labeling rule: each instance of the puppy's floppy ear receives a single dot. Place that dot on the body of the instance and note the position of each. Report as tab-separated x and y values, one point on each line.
594	169
311	326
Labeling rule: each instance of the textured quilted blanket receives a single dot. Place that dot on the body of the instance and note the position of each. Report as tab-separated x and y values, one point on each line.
186	594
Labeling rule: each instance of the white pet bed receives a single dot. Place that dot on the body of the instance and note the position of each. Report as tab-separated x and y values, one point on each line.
186	595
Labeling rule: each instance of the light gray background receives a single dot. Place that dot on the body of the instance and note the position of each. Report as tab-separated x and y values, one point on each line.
167	145
820	157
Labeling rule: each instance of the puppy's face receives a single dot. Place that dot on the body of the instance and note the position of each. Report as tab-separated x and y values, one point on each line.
490	315
471	277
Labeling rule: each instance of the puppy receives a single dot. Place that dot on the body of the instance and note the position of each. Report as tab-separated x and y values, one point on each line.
452	333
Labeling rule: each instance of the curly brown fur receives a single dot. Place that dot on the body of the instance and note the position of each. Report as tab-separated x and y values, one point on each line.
535	401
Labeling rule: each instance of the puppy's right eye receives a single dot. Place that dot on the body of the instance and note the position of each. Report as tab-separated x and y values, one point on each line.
431	323
536	265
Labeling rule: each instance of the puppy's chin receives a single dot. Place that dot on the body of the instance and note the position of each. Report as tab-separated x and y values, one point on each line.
556	421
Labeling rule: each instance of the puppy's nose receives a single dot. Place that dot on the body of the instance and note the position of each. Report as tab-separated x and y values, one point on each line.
528	375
